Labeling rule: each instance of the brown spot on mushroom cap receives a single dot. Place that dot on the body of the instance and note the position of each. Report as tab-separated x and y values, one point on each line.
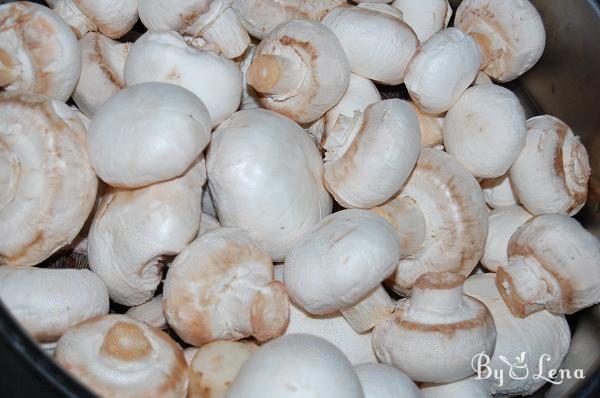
270	313
439	280
98	57
126	342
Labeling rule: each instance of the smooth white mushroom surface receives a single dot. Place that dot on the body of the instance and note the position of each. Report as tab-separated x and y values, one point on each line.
146	134
425	17
208	223
265	176
47	184
134	230
383	381
38	51
165	56
117	356
150	312
369	156
543	338
499	191
296	365
485	130
47	302
362	30
554	263
552	172
300	70
467	388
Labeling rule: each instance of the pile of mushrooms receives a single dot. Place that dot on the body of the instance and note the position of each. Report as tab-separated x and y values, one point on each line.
222	217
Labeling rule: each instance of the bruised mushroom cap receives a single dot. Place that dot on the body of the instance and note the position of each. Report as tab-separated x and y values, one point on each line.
551	173
502	223
134	230
102	71
300	69
442	69
63	298
166	57
370	156
383	381
221	287
215	366
47	184
262	16
296	365
470	387
433	335
554	263
150	312
538	335
499	191
425	17
38	51
117	356
146	134
360	30
485	130
431	127
455	216
510	33
285	197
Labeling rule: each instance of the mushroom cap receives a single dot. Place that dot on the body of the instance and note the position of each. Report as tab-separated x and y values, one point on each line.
118	356
499	191
150	312
538	334
442	69
221	287
431	127
455	215
296	365
134	230
340	261
176	16
146	134
425	17
208	223
285	197
166	57
63	298
470	387
262	16
47	184
379	380
325	71
361	29
102	71
502	223
40	49
552	171
369	162
511	33
554	263
485	130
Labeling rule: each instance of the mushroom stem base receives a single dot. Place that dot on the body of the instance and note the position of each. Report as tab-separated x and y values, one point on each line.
274	74
367	313
228	34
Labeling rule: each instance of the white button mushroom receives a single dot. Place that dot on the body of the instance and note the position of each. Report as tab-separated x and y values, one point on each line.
296	365
208	223
166	57
433	335
425	17
510	34
383	381
214	20
265	177
442	69
453	213
102	71
543	337
551	173
470	387
300	69
378	44
38	51
369	156
134	230
47	302
340	266
47	184
214	367
117	356
554	263
112	18
150	312
221	287
431	127
485	130
146	134
502	223
499	191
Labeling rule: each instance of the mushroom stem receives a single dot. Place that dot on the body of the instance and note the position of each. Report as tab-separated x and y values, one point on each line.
368	312
274	74
72	15
440	292
486	48
337	140
8	72
227	33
